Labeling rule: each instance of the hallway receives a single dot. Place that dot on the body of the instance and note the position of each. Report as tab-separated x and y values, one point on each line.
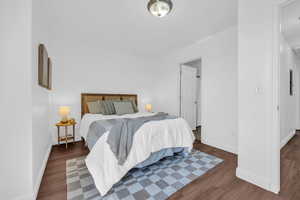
290	169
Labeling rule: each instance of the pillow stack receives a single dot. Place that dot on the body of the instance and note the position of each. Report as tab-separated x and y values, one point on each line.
111	107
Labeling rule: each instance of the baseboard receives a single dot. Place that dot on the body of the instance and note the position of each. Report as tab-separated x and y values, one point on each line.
257	180
219	146
253	178
287	138
63	143
55	143
275	188
41	173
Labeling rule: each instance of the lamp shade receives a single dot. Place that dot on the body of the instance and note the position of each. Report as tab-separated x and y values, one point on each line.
149	107
64	111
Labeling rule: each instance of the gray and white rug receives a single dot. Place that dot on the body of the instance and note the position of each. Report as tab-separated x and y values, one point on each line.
155	182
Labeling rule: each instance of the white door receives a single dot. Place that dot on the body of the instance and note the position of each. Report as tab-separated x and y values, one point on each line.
188	95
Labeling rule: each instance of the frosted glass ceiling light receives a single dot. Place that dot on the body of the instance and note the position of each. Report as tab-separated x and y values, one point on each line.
160	8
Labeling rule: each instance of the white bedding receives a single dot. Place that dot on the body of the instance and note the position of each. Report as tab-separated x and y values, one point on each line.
151	137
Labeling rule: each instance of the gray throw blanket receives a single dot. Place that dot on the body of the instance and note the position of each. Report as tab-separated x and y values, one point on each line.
121	133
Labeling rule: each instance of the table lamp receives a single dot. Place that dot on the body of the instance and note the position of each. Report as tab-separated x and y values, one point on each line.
149	107
64	112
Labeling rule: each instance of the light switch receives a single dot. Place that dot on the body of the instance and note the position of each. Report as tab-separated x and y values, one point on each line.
258	90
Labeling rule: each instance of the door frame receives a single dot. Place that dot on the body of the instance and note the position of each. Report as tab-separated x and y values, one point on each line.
275	139
180	84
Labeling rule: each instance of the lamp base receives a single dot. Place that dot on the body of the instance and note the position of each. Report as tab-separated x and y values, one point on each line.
64	120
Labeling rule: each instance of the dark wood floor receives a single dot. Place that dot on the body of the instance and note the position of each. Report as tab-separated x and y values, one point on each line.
218	184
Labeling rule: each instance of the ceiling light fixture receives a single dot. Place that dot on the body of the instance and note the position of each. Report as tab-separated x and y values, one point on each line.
160	8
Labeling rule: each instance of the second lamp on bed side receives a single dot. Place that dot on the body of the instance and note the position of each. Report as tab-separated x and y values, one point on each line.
148	107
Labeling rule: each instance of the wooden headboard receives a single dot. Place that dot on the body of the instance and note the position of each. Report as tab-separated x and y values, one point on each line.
90	97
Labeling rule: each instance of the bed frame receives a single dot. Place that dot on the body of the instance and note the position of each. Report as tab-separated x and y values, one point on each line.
90	97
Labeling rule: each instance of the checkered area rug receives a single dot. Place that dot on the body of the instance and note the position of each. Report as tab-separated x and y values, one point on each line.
155	182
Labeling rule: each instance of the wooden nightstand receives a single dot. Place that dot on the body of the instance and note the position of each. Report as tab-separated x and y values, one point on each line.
67	137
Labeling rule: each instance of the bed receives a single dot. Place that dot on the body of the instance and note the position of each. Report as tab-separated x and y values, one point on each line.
158	135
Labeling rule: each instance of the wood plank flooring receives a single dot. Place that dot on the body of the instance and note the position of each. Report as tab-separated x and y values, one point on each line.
218	184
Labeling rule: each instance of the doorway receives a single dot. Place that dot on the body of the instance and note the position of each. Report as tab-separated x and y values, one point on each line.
283	83
288	80
190	94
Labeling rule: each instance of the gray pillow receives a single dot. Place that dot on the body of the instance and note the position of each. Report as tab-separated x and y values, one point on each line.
123	107
95	108
134	106
108	107
135	109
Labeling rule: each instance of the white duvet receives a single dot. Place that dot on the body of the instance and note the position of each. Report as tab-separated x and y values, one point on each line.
151	137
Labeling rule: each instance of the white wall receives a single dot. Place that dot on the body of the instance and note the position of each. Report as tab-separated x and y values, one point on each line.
15	101
258	152
297	62
41	139
289	111
218	86
88	69
24	105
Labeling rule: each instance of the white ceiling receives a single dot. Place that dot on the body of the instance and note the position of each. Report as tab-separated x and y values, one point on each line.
291	24
126	25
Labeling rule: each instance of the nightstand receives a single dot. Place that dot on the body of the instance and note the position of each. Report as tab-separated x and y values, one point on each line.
67	137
